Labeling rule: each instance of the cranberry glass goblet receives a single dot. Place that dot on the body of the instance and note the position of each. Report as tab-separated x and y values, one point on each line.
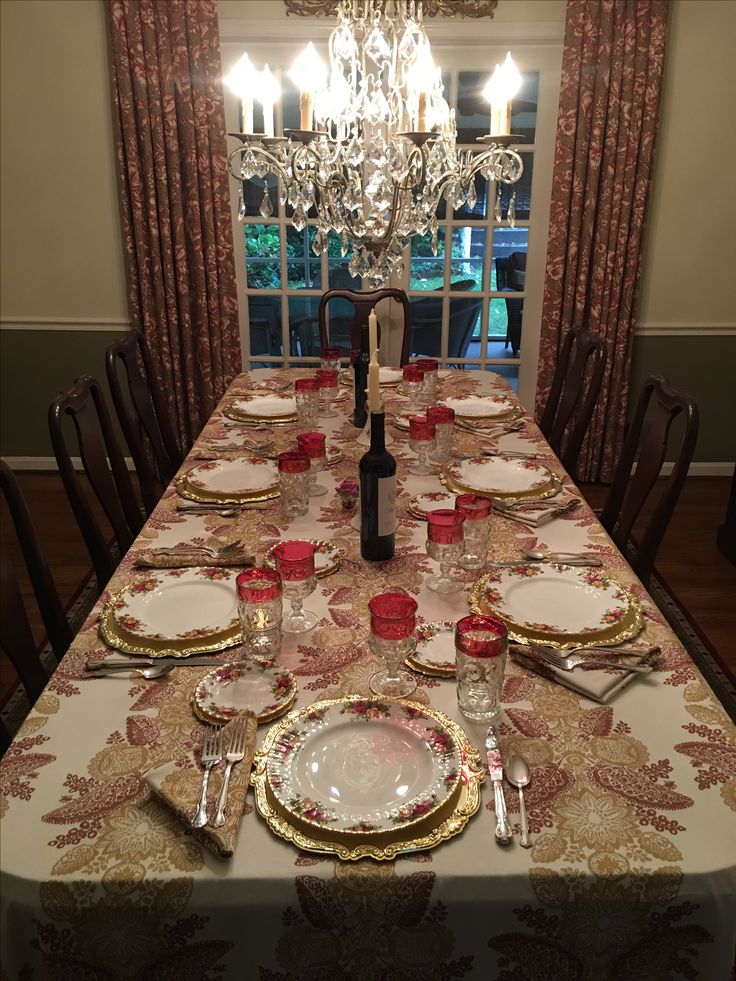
327	381
260	610
421	441
295	564
444	545
313	444
393	619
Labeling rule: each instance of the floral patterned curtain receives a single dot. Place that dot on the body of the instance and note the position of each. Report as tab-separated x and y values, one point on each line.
171	148
609	108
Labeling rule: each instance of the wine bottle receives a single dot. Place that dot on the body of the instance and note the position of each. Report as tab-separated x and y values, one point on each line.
377	496
360	367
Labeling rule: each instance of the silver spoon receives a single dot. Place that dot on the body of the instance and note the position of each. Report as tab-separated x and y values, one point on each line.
535	553
158	671
518	775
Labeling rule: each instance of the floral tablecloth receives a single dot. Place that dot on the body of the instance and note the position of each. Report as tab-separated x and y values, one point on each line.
631	804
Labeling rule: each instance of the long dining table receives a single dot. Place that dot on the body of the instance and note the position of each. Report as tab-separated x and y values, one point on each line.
632	872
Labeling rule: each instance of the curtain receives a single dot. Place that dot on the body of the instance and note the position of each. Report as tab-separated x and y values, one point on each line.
169	122
609	107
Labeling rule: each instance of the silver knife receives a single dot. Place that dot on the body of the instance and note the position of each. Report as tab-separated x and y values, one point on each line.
495	768
146	662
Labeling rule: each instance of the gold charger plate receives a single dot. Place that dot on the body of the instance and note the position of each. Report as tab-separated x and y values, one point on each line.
617	633
550	490
466	422
440	825
184	489
231	413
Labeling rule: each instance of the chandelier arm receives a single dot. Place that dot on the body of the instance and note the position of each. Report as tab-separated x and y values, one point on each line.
275	165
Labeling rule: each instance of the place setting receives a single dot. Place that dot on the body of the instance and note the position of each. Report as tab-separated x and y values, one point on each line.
507	480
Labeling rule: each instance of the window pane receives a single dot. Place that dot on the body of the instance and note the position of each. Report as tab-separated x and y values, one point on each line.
523	189
480	208
304	326
338	273
473	113
253	192
465	317
508	270
264	317
426	326
504	334
524	107
468	248
427	271
303	268
262	251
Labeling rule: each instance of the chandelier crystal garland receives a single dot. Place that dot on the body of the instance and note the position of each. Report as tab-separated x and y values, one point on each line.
383	151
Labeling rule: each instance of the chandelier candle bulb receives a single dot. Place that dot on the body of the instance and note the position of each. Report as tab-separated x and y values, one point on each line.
242	80
309	75
422	113
269	92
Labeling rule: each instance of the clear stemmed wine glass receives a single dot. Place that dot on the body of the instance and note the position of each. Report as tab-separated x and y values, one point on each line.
476	531
444	425
412	385
260	610
327	381
313	444
393	619
421	441
294	470
306	391
295	564
444	544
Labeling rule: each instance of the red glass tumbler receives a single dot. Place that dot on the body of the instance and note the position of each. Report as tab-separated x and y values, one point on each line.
313	444
444	545
295	564
327	381
329	357
306	392
421	441
260	611
393	620
429	384
481	644
294	470
444	424
412	386
477	512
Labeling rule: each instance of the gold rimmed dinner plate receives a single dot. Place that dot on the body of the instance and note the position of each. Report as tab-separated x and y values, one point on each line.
237	480
527	603
483	408
308	824
274	408
453	479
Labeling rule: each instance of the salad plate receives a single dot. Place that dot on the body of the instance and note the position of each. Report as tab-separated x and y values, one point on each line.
327	557
421	504
435	651
561	604
174	612
389	376
333	454
233	481
479	407
508	478
267	689
273	407
342	394
322	780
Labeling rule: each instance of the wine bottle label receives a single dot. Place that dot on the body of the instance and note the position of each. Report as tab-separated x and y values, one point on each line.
387	505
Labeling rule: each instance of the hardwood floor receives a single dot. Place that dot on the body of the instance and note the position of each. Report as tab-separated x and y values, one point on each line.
702	579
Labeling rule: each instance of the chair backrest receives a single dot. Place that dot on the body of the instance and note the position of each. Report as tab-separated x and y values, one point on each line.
85	404
264	320
628	494
463	315
144	416
575	389
16	636
363	302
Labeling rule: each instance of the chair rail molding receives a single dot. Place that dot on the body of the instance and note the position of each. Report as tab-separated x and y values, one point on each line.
102	324
653	328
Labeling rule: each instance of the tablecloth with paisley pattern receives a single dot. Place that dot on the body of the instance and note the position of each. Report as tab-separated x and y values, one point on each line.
632	805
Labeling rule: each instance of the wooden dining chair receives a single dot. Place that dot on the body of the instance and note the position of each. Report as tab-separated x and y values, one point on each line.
363	302
659	405
143	414
85	405
575	389
16	636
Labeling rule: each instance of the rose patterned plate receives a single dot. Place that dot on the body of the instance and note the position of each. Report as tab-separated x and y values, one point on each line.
244	478
481	407
333	454
342	394
556	600
266	688
175	612
364	765
503	477
402	422
327	557
421	504
389	376
278	407
435	650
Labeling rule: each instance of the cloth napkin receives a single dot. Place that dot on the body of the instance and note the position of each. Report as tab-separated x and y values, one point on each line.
179	786
537	513
151	558
598	684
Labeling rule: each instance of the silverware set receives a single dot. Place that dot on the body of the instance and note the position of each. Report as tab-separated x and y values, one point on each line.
518	775
221	552
569	660
148	668
213	753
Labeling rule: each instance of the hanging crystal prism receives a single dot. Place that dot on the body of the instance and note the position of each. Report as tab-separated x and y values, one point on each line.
498	205
241	205
512	210
266	208
472	196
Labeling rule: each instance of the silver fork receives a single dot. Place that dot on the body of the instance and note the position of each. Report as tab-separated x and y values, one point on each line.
571	661
211	756
235	754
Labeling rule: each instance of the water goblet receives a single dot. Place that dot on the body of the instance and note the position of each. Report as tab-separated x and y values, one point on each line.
327	381
306	391
329	357
313	444
476	531
429	384
421	441
444	424
413	379
444	545
393	619
295	564
481	644
294	470
260	610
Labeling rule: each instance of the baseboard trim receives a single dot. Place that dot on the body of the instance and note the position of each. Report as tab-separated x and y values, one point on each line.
48	463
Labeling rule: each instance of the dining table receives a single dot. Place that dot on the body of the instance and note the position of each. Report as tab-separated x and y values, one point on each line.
631	805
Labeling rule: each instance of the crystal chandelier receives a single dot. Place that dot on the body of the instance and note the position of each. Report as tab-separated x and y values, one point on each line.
376	150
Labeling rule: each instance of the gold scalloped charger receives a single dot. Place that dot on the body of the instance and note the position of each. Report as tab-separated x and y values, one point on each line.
507	478
558	605
321	781
483	408
174	613
276	408
236	480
